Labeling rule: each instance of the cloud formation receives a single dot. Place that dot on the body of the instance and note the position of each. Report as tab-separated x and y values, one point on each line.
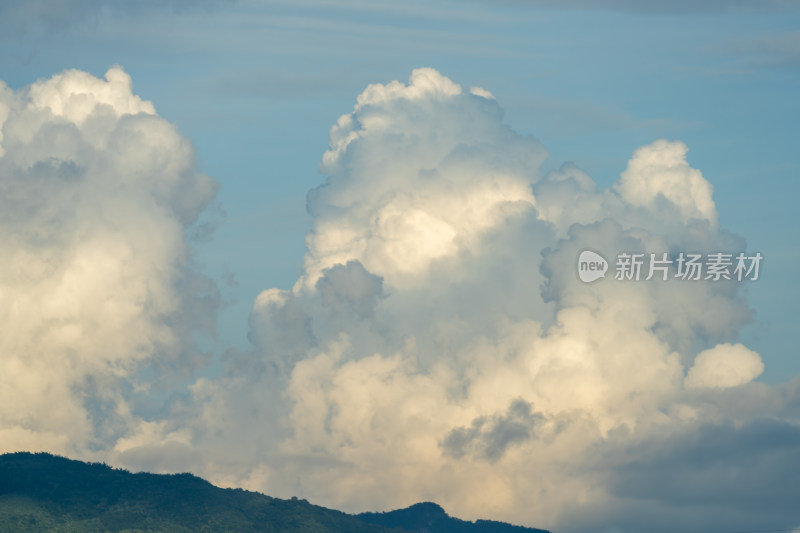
462	174
724	365
438	344
40	17
675	7
96	281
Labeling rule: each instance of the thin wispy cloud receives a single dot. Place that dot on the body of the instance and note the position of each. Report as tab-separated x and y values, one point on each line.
675	7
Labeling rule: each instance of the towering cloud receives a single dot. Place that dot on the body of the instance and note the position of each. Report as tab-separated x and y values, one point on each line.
418	174
96	194
438	344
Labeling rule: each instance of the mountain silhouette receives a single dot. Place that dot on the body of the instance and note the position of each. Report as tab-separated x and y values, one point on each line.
44	492
428	517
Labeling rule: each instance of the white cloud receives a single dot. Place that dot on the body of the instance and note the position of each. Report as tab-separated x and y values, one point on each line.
76	95
439	345
417	174
659	171
724	365
96	193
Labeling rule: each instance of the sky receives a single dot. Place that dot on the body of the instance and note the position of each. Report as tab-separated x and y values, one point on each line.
330	250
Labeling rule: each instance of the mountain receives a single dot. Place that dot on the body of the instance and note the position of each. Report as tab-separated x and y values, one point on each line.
43	492
430	518
40	492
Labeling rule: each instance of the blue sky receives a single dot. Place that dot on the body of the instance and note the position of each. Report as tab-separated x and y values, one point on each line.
255	87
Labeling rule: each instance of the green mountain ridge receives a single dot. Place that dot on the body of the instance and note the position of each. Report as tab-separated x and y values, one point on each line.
429	517
44	492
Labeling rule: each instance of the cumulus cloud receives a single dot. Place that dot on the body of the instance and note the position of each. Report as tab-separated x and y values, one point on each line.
660	171
438	344
417	175
96	280
724	365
